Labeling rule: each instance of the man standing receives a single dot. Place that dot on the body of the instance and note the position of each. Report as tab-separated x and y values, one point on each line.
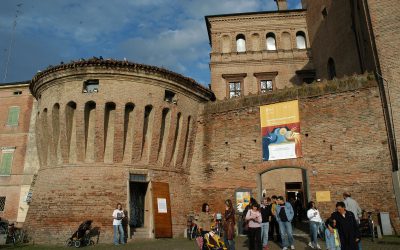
266	218
273	225
347	227
284	216
118	215
352	206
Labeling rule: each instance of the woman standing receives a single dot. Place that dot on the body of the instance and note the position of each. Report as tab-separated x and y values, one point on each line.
254	219
204	221
118	215
229	225
315	221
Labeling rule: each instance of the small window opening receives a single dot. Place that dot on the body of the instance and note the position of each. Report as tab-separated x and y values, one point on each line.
324	12
2	203
169	96
266	86
18	92
91	86
308	80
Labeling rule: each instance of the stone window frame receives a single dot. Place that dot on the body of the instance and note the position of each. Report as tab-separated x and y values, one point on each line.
230	78
8	151
269	76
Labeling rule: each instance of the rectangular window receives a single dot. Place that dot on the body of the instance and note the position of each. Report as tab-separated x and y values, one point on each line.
91	86
13	115
6	162
2	203
265	86
234	89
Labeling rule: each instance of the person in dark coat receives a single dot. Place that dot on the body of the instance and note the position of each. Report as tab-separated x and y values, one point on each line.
347	227
229	225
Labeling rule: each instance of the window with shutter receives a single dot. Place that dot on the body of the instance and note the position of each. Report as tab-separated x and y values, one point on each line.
13	115
6	162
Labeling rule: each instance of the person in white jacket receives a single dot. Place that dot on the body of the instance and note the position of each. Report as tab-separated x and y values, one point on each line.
118	215
315	222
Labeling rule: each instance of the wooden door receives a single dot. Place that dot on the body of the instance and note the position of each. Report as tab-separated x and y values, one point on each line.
162	210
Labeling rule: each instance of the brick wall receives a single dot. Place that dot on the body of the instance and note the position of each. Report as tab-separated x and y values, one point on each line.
344	140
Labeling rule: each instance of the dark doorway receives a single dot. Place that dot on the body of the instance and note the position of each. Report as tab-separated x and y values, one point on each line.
137	203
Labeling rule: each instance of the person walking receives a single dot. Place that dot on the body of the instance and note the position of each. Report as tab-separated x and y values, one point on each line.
347	226
266	218
284	216
254	219
315	222
118	215
229	225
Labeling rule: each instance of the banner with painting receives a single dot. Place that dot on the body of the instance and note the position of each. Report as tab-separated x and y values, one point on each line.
280	131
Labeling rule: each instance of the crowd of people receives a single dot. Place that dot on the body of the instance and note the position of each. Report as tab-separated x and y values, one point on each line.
274	216
273	219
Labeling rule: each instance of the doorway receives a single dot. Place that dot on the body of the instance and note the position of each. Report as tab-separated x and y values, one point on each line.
292	184
139	206
137	203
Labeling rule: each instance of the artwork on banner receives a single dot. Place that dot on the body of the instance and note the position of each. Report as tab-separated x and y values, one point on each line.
280	131
162	205
242	200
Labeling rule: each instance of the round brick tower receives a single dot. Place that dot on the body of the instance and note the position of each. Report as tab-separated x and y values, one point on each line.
112	131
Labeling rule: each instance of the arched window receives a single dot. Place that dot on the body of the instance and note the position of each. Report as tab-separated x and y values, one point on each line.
271	42
301	40
331	69
240	43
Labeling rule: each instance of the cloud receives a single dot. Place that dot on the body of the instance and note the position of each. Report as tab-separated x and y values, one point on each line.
171	34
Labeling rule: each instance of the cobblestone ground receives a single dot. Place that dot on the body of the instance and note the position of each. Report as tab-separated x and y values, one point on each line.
388	243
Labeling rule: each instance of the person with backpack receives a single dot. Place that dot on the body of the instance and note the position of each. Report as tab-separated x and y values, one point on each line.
284	216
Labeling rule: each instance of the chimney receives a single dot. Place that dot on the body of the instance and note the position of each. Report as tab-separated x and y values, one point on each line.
282	4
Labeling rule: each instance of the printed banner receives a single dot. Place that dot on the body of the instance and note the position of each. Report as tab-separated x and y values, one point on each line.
280	131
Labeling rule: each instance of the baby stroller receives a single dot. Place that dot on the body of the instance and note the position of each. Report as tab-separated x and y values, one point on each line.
81	237
213	241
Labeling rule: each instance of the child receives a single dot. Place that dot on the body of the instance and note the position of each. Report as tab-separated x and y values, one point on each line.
331	235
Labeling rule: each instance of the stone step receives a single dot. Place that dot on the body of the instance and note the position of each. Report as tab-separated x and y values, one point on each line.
141	233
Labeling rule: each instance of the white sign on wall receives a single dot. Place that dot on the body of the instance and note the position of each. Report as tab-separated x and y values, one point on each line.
162	205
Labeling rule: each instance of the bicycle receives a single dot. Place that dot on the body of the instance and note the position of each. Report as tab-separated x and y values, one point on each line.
14	235
367	226
191	230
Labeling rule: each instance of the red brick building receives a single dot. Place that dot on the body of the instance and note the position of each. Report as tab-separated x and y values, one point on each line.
113	131
17	164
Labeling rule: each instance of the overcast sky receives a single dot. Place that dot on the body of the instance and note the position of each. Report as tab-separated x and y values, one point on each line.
165	33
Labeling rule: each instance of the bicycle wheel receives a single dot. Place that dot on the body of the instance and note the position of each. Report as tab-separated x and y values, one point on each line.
69	243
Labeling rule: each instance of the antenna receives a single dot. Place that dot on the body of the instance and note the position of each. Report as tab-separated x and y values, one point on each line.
17	12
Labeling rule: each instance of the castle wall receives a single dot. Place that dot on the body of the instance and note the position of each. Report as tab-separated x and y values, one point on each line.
344	146
90	142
